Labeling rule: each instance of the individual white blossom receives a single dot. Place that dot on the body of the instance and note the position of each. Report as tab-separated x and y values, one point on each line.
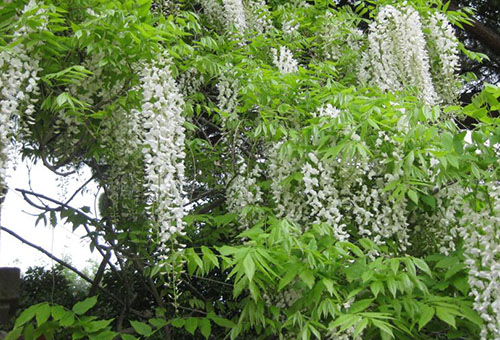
397	57
284	60
164	154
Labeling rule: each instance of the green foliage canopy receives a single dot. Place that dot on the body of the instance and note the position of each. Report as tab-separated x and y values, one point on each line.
271	170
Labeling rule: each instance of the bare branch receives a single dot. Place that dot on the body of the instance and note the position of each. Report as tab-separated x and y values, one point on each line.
79	189
61	262
61	204
73	269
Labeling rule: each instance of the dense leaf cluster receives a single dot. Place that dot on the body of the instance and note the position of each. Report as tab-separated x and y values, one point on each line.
315	204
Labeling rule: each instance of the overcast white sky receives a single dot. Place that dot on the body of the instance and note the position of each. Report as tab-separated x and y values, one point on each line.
60	241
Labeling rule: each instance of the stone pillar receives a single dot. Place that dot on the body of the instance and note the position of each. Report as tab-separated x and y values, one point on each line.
10	279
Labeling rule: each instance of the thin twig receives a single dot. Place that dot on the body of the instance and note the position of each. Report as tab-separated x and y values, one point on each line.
212	280
79	189
61	204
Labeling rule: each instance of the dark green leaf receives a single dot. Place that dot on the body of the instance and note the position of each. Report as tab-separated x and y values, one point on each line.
141	328
191	325
205	327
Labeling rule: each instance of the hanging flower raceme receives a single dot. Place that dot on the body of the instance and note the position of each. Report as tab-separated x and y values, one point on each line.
443	50
121	139
239	17
18	88
480	231
243	192
288	203
322	196
213	10
259	16
227	98
190	82
235	15
397	58
339	37
284	60
162	109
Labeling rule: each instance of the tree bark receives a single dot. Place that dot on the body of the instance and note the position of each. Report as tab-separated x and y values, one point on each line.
485	35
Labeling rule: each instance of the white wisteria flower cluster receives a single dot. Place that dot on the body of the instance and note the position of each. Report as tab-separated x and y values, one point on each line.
125	176
212	9
290	27
322	196
397	57
443	50
444	226
287	204
347	195
190	82
344	194
480	231
238	16
328	111
18	88
162	109
243	192
340	38
259	17
227	98
235	16
284	60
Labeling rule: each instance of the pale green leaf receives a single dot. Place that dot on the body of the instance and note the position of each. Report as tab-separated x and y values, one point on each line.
427	312
83	306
